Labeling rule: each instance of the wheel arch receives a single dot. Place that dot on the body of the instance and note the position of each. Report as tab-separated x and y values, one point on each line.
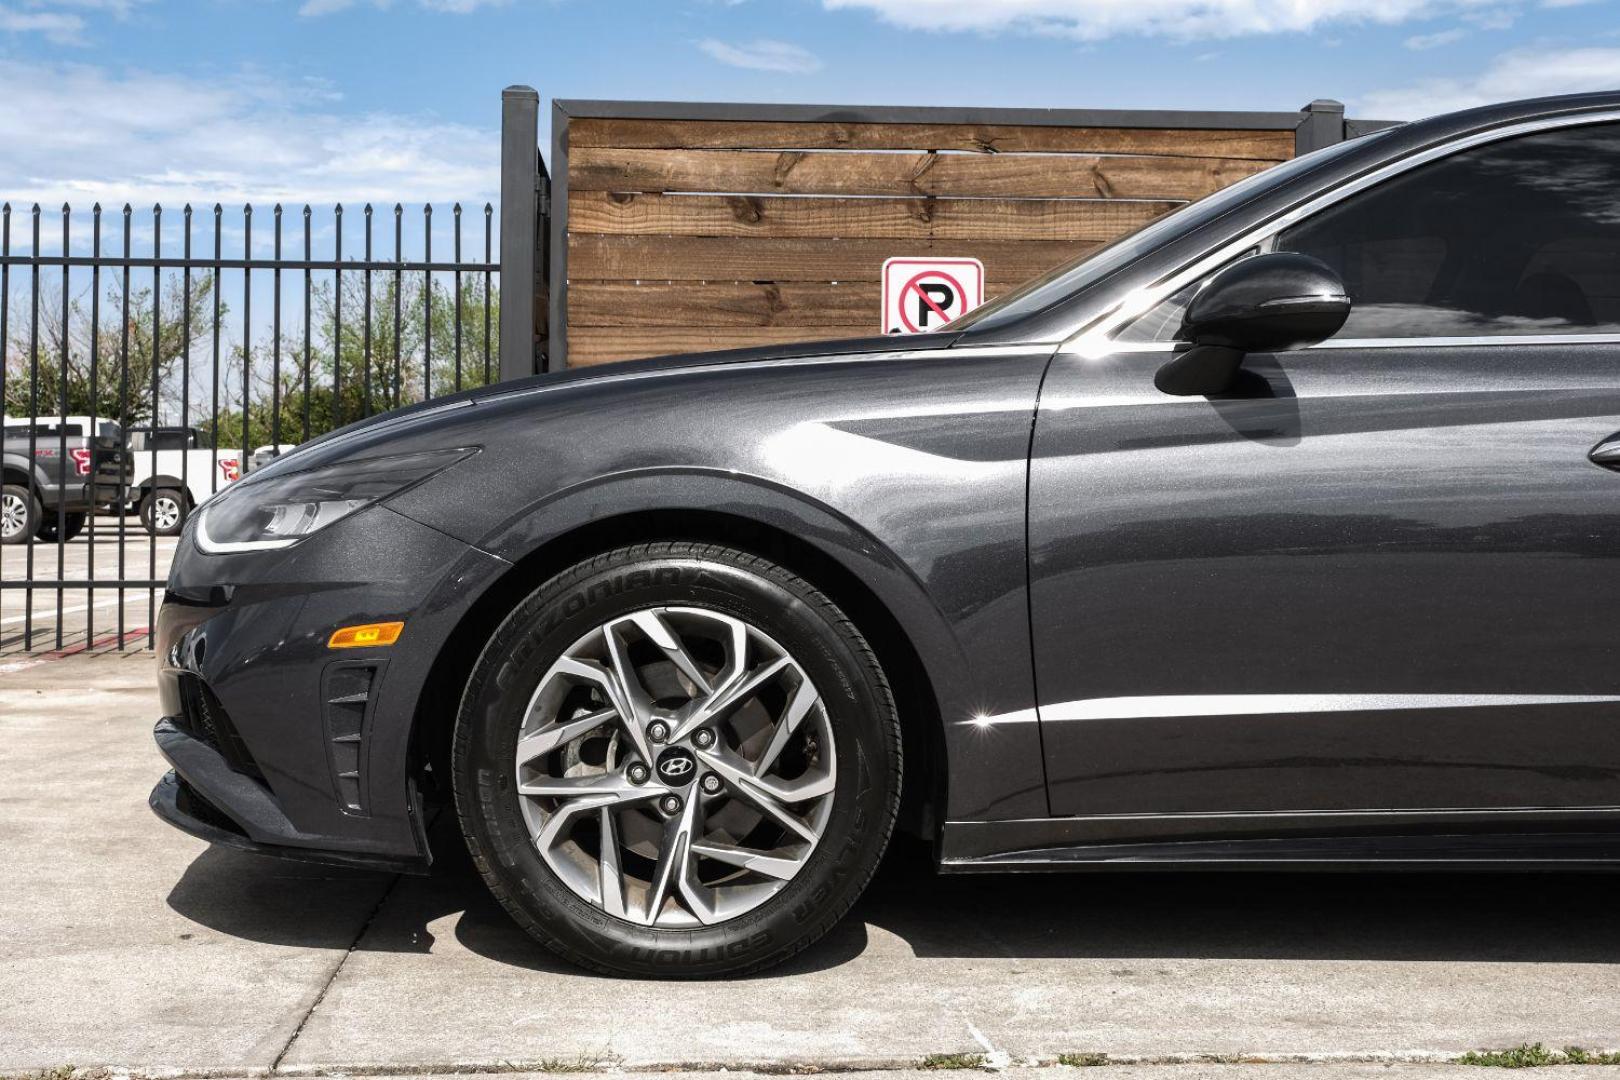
163	480
916	694
16	474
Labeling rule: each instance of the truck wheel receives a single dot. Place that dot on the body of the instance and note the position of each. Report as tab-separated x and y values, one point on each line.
19	515
72	525
163	512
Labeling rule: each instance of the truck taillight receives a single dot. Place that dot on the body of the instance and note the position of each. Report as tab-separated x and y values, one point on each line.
81	460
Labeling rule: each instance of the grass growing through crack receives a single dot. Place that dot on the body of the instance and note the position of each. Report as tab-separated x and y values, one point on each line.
955	1061
1087	1060
1535	1056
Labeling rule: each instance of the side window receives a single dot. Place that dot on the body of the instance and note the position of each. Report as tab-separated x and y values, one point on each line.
1515	237
1162	320
170	439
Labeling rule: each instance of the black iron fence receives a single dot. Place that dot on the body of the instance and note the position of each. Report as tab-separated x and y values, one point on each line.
178	346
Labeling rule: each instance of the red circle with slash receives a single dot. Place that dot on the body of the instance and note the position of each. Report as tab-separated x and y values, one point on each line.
915	286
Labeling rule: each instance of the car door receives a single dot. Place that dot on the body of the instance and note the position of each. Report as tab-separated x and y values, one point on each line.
1381	575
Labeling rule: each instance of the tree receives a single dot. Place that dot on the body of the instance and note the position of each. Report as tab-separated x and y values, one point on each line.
119	384
285	407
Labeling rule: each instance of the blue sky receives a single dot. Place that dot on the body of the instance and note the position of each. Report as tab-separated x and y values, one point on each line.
358	99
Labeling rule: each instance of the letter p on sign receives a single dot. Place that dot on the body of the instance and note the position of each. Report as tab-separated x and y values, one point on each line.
921	295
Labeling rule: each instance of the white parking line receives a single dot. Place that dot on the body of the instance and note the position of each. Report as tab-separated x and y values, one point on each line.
50	611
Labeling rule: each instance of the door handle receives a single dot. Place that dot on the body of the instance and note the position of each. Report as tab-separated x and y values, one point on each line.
1606	453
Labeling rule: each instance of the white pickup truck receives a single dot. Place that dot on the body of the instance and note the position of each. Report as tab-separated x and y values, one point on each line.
173	470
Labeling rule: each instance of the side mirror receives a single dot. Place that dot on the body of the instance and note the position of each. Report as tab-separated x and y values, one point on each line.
1267	303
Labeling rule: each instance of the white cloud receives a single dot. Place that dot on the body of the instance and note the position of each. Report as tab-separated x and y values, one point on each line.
453	7
81	133
1435	40
763	55
1095	19
62	28
1522	73
58	21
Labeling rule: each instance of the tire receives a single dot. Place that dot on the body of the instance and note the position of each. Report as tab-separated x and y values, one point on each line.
73	525
164	512
838	770
19	514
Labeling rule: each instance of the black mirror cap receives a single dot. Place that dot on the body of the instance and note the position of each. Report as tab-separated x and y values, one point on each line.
1268	303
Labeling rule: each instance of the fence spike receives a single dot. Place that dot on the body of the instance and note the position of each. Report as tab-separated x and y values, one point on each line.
67	209
306	210
218	209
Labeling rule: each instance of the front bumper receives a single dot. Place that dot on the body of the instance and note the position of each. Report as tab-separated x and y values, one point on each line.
178	803
279	744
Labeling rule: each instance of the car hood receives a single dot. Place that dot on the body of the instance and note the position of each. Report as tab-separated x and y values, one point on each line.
327	447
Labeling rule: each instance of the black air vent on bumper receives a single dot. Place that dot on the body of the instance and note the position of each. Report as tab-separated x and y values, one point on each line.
206	719
348	691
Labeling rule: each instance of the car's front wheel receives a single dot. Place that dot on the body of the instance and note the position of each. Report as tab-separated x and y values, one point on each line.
677	759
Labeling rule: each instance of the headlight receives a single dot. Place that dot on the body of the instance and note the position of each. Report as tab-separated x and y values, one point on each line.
280	510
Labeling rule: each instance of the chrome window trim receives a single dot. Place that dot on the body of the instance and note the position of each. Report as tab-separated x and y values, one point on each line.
1483	341
1095	340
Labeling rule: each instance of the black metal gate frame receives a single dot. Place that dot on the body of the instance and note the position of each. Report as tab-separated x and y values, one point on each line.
187	262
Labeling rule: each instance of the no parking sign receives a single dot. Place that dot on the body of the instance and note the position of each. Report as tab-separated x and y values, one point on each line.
921	295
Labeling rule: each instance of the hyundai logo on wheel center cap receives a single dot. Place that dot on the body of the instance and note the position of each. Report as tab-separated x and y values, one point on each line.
677	766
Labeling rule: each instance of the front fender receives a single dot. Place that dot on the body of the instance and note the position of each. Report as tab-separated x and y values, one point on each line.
908	471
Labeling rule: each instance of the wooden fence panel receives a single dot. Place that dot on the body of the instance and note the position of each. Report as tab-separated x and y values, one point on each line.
685	235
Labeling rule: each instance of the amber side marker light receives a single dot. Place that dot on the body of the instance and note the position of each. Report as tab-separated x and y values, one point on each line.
366	635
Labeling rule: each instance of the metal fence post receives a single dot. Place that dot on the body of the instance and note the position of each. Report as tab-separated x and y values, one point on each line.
520	165
1321	123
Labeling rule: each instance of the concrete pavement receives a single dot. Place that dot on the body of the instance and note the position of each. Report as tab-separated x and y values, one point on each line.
125	943
34	619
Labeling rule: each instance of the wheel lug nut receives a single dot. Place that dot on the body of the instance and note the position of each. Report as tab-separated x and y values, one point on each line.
657	731
670	804
638	773
711	784
703	739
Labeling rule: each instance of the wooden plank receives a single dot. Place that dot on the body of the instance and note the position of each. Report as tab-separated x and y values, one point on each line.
788	217
741	304
794	172
687	258
981	138
601	344
731	303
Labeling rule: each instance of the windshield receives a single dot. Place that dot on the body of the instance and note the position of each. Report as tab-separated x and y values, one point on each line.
1064	281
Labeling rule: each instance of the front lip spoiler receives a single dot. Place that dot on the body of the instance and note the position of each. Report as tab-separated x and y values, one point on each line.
165	803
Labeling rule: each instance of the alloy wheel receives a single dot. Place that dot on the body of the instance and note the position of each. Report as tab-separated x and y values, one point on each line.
13	515
675	767
165	513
